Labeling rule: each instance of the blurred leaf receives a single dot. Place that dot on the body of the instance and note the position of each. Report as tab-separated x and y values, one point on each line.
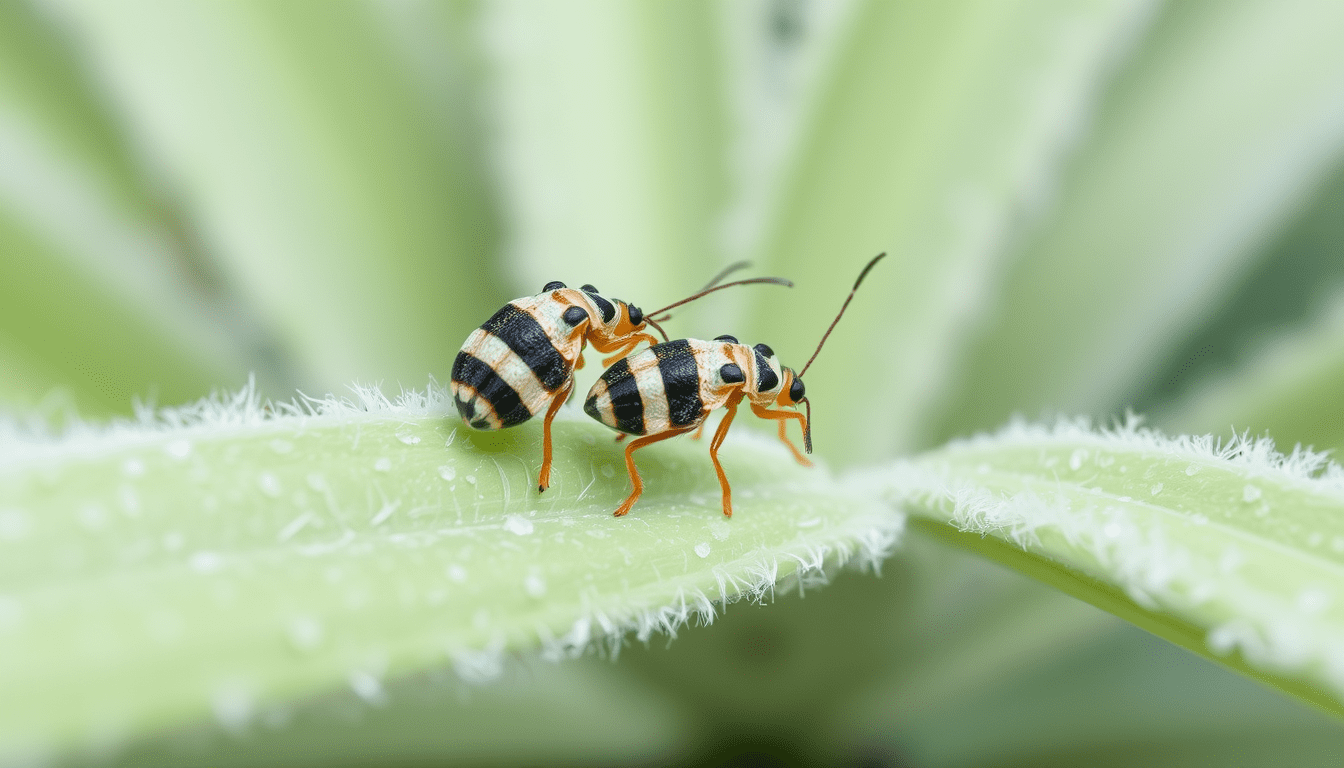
1227	118
610	143
228	561
940	126
527	717
1291	390
91	257
314	172
1233	553
1297	277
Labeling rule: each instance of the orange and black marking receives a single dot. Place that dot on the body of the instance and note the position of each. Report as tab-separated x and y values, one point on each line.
520	363
671	388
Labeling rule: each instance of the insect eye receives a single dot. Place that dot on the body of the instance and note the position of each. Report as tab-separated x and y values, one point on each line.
765	350
589	288
636	314
554	285
796	390
727	338
732	374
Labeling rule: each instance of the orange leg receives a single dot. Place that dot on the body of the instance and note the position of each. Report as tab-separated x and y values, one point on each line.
783	417
621	436
621	348
700	430
544	481
634	473
719	435
578	364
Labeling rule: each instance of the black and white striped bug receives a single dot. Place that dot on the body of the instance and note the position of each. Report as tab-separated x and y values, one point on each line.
521	361
670	389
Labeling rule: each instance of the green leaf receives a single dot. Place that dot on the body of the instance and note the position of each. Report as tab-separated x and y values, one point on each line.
1234	552
1221	126
936	129
339	207
98	293
1291	390
223	558
610	144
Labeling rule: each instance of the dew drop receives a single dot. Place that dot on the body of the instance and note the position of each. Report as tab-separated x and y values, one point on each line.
720	529
457	573
447	472
383	465
408	437
535	586
608	470
281	446
470	479
1199	519
1156	489
269	484
1076	459
133	468
702	549
1112	530
1192	469
173	541
1315	539
178	449
811	522
1337	543
316	482
519	526
1250	494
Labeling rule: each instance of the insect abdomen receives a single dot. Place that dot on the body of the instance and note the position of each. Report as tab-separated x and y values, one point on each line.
508	369
650	392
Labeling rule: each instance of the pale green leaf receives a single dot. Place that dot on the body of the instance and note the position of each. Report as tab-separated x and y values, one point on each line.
610	142
939	129
1225	121
1235	552
1291	389
225	559
336	203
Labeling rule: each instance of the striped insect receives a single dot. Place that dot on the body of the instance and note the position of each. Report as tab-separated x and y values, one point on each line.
521	361
670	389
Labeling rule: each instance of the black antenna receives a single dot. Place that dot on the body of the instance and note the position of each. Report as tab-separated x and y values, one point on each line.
728	270
843	307
705	291
807	433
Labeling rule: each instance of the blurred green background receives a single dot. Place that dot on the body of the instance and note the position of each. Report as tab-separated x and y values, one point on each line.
1090	205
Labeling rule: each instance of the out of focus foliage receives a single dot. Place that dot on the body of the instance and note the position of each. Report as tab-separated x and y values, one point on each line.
1088	205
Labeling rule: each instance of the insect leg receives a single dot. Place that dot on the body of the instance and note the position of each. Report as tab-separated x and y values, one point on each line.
634	473
783	417
544	481
622	348
719	435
